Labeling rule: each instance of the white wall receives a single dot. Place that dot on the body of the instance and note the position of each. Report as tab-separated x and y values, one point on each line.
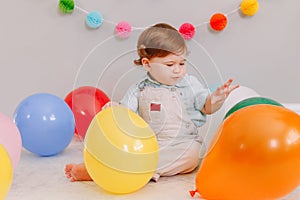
43	50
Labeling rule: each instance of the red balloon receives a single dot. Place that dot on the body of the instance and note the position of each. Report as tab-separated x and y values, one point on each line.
255	154
85	102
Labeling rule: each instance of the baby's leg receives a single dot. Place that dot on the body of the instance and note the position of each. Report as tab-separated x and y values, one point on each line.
180	159
77	172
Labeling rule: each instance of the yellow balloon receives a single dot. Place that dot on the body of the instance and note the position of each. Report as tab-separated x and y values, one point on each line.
6	173
112	180
121	150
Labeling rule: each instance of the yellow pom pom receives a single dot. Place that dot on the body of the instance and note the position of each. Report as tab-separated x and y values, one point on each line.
249	7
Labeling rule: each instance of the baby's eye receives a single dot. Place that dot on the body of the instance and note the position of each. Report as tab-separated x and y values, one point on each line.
169	64
182	63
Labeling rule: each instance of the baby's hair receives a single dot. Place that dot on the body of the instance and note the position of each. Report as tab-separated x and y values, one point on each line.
159	40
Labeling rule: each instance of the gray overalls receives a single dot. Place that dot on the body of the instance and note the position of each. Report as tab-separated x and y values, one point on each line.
177	135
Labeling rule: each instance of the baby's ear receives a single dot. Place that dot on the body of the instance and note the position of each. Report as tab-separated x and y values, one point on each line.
145	61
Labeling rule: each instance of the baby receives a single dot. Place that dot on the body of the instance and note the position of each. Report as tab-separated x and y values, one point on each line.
172	102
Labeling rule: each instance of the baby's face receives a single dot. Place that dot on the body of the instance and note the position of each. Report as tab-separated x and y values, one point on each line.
168	70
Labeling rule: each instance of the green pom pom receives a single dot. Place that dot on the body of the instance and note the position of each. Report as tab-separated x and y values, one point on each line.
66	6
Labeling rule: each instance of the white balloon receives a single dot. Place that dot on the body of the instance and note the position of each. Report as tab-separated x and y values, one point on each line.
216	119
238	95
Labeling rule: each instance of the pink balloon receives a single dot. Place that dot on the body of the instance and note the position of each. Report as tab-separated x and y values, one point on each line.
10	138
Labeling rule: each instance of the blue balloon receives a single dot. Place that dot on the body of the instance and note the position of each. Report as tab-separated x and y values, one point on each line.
46	124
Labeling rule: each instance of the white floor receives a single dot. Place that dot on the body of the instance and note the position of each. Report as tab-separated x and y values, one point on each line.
43	178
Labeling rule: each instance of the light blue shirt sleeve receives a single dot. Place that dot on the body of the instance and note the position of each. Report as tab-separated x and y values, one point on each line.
200	93
194	98
130	99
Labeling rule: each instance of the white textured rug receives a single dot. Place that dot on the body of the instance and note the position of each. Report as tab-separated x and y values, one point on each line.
43	178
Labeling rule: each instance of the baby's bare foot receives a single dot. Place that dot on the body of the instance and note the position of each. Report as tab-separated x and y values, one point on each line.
77	172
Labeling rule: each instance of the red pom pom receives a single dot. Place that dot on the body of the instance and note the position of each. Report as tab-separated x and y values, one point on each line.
187	30
218	22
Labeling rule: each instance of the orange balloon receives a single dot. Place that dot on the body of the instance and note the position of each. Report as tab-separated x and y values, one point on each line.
255	154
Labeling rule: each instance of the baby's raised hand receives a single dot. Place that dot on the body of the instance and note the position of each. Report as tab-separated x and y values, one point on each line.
222	92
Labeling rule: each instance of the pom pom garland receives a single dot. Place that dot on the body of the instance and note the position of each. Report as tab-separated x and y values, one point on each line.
218	22
187	30
249	7
123	29
94	19
66	6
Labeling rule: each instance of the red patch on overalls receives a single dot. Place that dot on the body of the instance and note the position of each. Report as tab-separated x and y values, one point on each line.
155	107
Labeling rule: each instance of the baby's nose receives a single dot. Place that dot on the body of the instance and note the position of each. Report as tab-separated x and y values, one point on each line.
176	69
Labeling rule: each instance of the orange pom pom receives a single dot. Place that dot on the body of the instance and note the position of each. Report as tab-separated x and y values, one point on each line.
218	22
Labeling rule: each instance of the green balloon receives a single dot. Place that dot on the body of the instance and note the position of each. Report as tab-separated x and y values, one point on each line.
66	6
250	102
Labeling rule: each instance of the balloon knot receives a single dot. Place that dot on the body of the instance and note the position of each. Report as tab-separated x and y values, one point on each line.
193	192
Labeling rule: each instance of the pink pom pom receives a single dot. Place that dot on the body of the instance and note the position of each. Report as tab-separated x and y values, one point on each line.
123	29
187	30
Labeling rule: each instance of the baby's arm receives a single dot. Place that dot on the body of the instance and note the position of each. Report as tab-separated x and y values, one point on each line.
216	99
110	104
129	100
